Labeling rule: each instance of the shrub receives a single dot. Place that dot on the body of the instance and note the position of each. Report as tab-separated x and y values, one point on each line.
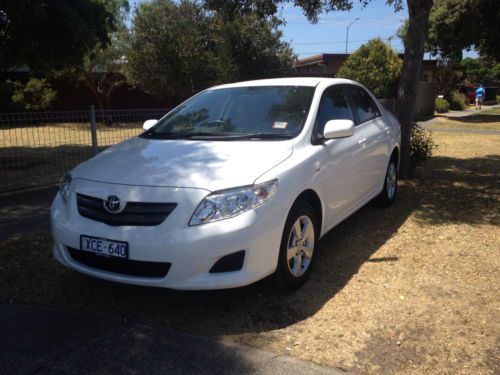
421	145
375	65
442	105
35	95
498	99
457	101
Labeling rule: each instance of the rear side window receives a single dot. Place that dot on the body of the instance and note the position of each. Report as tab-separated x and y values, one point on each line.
333	106
363	105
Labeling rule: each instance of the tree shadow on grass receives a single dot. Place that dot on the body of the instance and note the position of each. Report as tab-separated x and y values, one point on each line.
476	118
460	191
447	190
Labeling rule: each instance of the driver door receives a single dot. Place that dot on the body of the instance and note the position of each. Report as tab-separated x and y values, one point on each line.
340	176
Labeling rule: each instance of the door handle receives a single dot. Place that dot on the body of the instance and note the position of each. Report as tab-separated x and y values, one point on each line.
362	140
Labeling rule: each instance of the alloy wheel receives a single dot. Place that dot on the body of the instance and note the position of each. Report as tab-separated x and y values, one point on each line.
300	246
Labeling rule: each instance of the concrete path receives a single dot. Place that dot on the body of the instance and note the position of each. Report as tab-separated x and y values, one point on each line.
25	212
460	130
45	341
444	117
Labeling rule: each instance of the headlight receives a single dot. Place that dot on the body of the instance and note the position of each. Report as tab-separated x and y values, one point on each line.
64	186
229	203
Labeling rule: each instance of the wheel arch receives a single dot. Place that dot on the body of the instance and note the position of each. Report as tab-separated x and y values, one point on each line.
311	197
396	154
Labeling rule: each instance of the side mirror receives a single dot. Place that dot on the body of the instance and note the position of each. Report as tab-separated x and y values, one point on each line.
148	124
338	129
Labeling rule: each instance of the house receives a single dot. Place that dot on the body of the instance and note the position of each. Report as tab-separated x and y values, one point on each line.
328	64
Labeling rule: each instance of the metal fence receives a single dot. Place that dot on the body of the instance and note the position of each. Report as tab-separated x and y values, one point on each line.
37	148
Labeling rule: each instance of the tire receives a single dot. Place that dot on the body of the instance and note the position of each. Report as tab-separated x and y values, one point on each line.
294	271
388	194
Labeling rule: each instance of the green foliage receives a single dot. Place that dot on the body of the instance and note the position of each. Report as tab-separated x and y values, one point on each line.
481	70
101	69
311	9
51	34
455	25
446	77
421	146
35	95
442	105
178	49
375	65
457	101
498	99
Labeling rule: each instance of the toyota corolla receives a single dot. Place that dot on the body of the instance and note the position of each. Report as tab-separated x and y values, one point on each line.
237	183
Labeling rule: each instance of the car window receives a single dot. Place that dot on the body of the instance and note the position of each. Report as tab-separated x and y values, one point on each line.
268	110
333	106
363	105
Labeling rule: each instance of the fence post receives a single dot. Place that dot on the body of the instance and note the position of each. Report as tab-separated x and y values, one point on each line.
93	131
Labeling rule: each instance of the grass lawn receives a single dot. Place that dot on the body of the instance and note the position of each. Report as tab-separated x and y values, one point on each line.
486	120
413	289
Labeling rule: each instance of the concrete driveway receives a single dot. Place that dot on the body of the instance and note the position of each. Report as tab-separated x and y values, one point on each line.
45	341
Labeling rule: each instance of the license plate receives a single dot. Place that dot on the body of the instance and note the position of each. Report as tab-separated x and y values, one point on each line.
104	247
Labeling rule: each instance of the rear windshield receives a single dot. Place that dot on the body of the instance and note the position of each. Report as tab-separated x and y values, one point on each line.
250	112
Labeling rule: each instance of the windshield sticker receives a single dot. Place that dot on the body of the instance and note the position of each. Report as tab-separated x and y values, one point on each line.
280	125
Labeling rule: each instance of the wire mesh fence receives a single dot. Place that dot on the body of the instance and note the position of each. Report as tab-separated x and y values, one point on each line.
36	148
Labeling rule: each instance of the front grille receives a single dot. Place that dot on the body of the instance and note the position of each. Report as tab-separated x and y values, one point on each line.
119	265
134	214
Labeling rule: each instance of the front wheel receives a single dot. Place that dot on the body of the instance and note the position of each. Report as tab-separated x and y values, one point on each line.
388	194
298	243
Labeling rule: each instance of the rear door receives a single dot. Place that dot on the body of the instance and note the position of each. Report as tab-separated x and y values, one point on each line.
371	134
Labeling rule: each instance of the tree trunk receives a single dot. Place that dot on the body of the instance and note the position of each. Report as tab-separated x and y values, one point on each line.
108	117
418	27
90	82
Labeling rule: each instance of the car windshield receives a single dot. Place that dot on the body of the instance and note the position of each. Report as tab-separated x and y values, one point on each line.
263	112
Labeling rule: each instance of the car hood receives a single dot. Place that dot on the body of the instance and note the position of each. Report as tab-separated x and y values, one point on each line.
210	165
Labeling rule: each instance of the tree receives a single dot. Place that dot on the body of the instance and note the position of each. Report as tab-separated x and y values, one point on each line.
481	70
102	67
446	77
457	25
49	35
169	49
178	49
375	65
254	47
35	95
418	26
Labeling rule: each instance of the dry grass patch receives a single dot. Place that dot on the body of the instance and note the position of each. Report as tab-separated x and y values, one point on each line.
66	134
40	154
408	290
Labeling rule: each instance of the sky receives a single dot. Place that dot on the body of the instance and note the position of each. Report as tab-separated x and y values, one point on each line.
329	35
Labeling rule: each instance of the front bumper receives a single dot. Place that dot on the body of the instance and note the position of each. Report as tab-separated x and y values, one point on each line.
191	251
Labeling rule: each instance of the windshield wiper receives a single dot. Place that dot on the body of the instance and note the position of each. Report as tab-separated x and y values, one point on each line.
218	135
193	135
265	136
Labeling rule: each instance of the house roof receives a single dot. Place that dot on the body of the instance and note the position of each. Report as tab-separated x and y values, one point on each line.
317	59
322	57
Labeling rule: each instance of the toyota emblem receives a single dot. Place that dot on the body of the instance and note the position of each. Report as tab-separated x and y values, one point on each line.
112	204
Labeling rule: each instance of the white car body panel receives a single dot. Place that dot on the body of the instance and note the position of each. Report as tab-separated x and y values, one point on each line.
345	174
212	166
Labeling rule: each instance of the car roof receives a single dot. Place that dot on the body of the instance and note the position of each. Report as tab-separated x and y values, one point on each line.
293	81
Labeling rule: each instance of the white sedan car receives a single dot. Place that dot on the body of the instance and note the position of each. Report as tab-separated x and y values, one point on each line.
237	183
